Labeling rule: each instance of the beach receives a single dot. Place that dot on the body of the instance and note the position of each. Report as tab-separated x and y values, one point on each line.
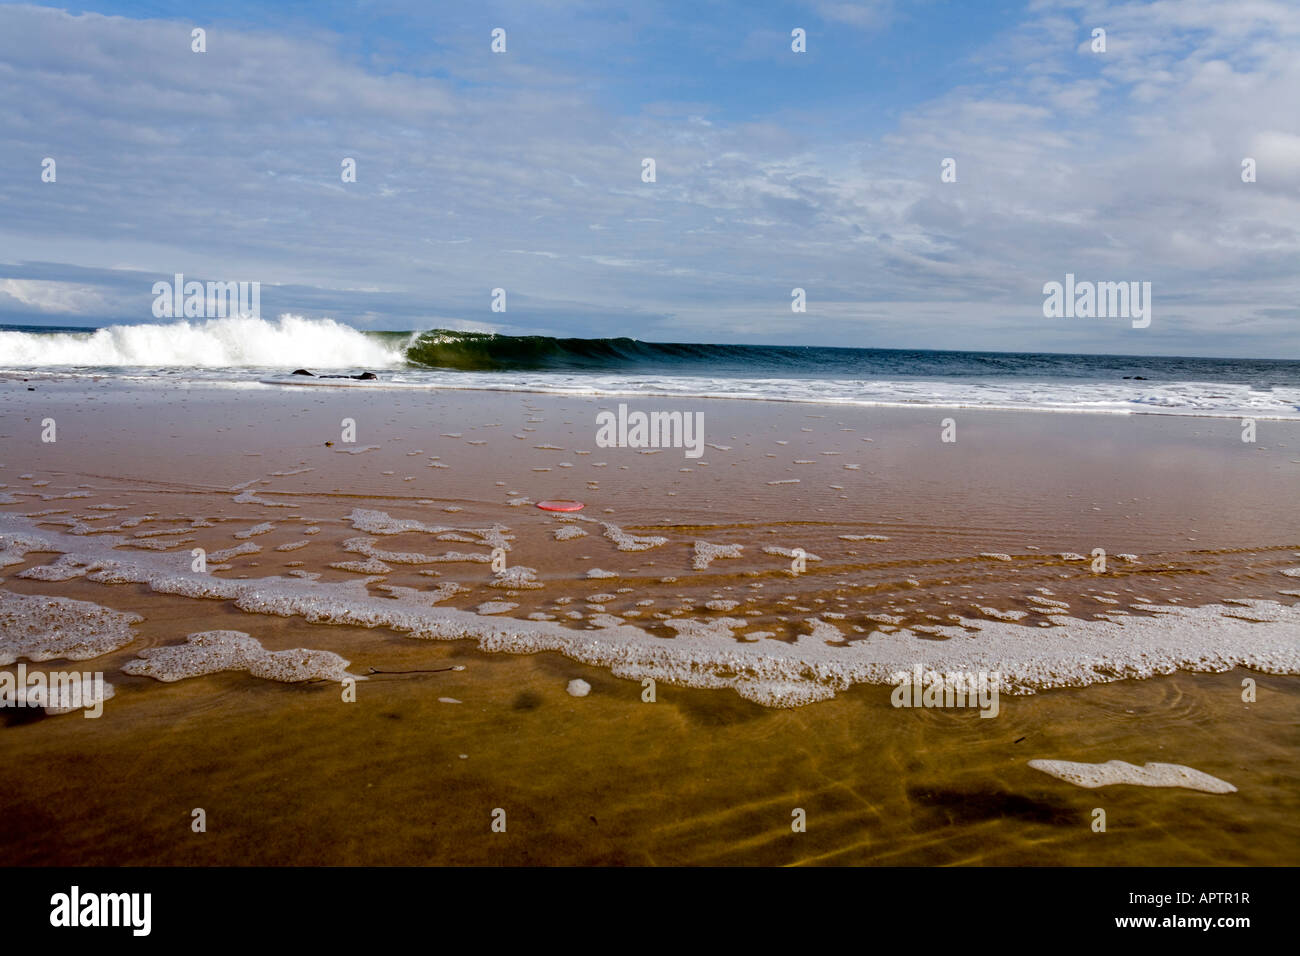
738	616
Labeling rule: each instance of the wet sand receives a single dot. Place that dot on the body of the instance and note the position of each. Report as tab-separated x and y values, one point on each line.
292	774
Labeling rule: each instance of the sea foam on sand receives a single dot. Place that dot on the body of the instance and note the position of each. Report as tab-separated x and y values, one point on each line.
42	628
774	673
1093	775
209	652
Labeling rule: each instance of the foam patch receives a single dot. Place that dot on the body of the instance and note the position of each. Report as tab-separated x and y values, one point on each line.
265	527
517	578
631	542
706	552
1094	775
382	523
210	652
14	548
64	569
41	628
247	547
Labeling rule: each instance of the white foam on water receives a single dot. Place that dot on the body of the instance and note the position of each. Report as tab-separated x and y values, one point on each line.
161	532
41	628
517	578
1093	775
248	547
445	590
368	566
209	652
382	523
265	527
65	568
995	613
157	544
366	546
706	553
788	552
452	557
631	542
774	673
250	497
715	628
14	548
824	631
70	494
215	343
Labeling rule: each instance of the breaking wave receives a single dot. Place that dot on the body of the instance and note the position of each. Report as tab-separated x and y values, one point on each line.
214	343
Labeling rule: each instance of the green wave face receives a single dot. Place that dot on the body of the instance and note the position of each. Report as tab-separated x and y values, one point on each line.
488	351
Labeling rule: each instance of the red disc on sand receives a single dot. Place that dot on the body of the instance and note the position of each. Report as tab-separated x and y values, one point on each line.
561	505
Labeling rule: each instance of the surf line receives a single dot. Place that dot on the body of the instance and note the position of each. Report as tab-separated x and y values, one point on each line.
651	430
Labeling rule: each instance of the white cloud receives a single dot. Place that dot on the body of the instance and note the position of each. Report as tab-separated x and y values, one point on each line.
53	297
871	14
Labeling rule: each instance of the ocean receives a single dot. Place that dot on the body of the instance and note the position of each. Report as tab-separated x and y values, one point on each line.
249	351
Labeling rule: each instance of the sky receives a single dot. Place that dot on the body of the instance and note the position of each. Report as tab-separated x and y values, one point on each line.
774	169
